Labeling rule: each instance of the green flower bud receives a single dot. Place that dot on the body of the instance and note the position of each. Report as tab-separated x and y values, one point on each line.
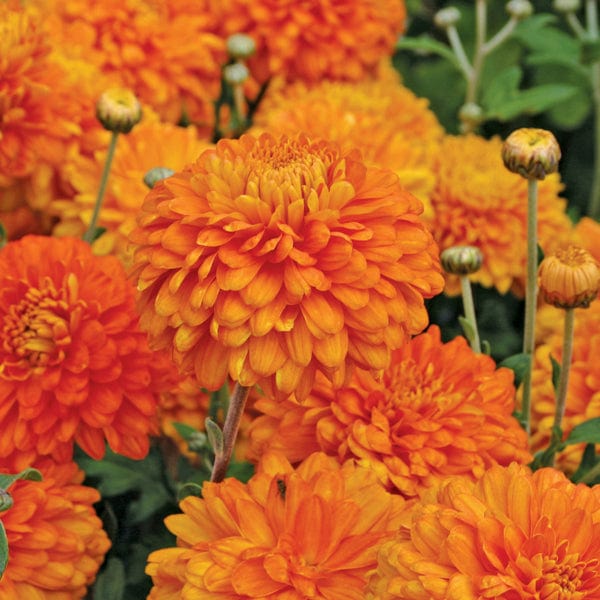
461	260
156	174
519	9
446	17
567	6
235	74
240	45
532	153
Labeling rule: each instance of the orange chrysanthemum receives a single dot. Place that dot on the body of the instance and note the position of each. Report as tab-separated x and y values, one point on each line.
74	366
170	58
150	144
583	394
272	259
313	40
512	534
587	234
391	126
309	533
437	410
478	202
55	540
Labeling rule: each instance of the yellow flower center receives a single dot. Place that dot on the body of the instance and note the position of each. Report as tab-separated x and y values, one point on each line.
573	256
562	579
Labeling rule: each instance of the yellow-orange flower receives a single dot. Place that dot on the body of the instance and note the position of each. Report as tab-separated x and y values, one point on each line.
391	126
478	202
569	278
271	259
512	534
150	144
55	540
308	533
313	40
587	234
437	410
74	366
170	58
583	394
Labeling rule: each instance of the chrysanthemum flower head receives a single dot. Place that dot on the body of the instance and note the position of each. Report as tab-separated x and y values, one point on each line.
270	259
437	410
512	534
312	532
313	40
478	202
391	126
150	144
55	539
74	365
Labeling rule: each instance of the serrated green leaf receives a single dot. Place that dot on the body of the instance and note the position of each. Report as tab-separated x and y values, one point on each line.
518	364
6	480
555	372
535	23
215	436
502	88
110	583
590	51
544	59
587	432
426	45
532	101
3	549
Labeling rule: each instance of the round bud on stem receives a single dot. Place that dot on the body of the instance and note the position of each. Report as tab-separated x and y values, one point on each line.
156	174
519	9
240	46
461	260
567	6
118	110
532	153
446	17
236	74
570	278
471	114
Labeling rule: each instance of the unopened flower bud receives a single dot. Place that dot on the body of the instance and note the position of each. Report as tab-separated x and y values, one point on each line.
567	6
236	73
240	45
461	260
446	17
118	110
519	9
532	153
570	278
156	174
471	114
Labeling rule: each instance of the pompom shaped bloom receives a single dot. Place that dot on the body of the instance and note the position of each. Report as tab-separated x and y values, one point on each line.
270	259
587	234
437	410
74	365
150	144
55	539
312	40
512	534
391	126
477	202
312	532
569	278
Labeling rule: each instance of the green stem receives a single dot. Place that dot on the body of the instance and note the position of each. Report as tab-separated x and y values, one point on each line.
567	355
591	14
591	18
500	37
469	306
575	25
590	475
89	235
459	51
530	297
230	430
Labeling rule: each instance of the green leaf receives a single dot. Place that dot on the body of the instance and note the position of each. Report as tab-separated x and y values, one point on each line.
3	236
545	39
519	364
587	432
30	474
426	45
215	436
110	584
589	459
3	549
184	430
590	51
555	372
486	347
97	233
540	254
532	101
189	489
502	88
468	328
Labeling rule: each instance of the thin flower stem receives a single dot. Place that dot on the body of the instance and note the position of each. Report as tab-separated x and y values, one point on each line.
480	35
594	202
469	306
500	37
230	430
530	296
591	18
575	24
567	355
88	236
459	51
590	475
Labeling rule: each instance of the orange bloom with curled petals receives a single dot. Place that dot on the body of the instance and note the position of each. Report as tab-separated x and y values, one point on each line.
312	532
478	202
270	259
392	127
74	365
512	534
437	410
55	539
